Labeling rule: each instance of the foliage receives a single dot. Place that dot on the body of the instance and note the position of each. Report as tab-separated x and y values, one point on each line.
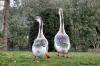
18	33
82	22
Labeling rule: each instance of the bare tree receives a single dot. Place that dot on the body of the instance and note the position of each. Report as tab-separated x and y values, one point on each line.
5	24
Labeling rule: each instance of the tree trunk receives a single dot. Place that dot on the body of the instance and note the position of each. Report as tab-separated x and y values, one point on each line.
5	24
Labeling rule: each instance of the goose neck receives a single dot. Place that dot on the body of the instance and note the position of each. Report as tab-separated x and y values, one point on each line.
61	29
40	32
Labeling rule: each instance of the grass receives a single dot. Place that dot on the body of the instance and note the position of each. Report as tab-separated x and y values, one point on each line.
16	58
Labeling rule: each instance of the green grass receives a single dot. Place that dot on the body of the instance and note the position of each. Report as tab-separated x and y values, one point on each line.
26	59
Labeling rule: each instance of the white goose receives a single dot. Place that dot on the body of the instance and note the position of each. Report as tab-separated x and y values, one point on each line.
61	40
40	45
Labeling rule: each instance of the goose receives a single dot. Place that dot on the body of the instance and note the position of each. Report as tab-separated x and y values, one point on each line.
61	39
40	45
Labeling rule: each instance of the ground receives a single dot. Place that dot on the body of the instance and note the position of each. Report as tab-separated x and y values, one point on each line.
15	58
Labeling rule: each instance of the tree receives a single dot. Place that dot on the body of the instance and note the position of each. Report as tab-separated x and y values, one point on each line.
5	24
82	22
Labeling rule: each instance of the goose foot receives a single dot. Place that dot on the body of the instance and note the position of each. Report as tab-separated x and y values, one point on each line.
34	58
58	54
67	56
47	56
37	61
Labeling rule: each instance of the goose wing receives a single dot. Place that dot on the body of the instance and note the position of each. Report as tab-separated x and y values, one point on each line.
62	40
40	42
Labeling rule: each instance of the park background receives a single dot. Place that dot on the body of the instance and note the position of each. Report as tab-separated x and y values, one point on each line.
18	29
82	23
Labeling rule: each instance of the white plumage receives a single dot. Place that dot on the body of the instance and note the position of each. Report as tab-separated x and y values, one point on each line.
40	45
61	43
61	40
38	48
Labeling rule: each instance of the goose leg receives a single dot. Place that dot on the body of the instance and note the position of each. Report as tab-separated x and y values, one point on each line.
47	55
63	55
58	54
67	55
34	57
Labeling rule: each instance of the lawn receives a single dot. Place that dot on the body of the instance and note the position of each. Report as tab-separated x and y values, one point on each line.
16	58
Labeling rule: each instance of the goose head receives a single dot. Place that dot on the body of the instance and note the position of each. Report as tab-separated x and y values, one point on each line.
38	19
60	11
40	32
